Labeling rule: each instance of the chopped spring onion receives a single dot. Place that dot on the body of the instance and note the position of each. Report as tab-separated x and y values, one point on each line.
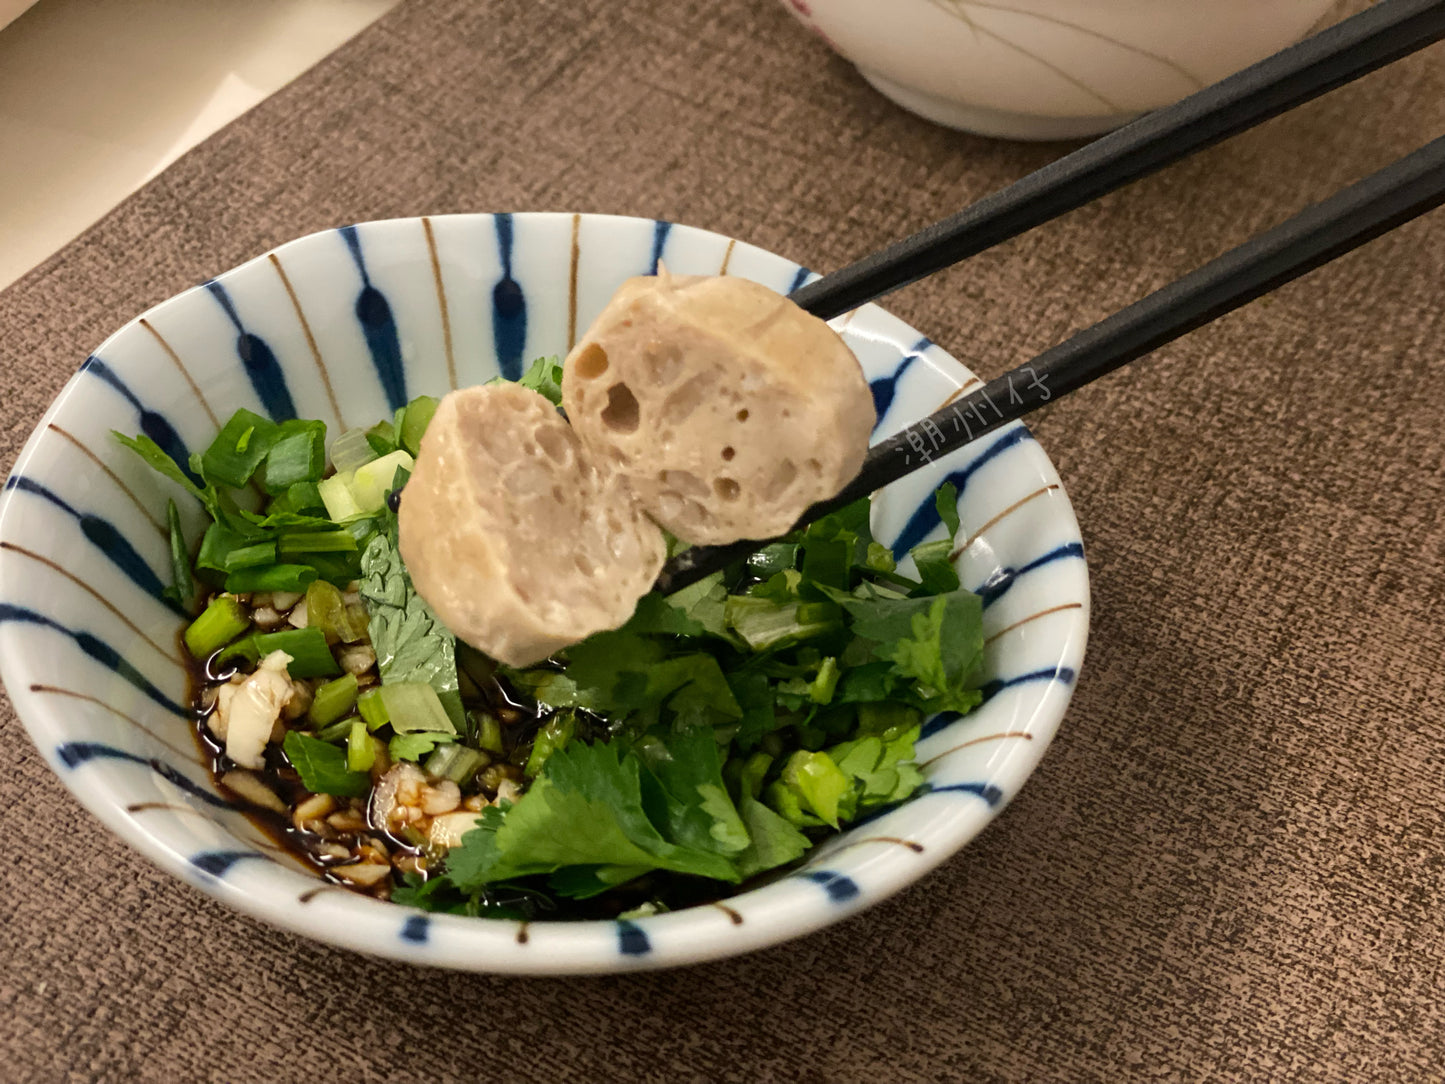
456	762
414	421
297	542
337	731
239	448
332	701
361	529
372	709
271	578
413	706
489	733
360	748
310	657
337	568
554	735
371	483
299	456
351	450
220	623
250	556
382	438
328	611
216	543
336	495
303	498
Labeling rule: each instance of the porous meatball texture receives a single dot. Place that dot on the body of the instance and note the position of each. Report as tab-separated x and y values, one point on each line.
520	542
729	409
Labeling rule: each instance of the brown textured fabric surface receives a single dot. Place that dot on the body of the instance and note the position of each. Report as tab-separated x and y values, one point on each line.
1228	866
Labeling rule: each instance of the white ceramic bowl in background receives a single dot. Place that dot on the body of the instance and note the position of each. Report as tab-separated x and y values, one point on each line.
346	325
1051	69
10	10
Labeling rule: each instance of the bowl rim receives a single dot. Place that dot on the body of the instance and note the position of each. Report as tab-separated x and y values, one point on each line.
778	912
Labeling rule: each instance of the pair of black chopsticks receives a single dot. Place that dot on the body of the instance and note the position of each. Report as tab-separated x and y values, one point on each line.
1395	195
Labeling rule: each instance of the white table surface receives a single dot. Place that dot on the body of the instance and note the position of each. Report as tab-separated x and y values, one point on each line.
98	96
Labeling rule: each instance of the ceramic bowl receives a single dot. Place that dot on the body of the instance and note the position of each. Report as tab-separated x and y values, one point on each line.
346	325
1051	69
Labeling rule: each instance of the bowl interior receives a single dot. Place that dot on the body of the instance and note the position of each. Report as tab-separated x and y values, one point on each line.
345	326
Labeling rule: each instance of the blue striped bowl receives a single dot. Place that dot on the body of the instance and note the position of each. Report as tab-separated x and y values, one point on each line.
345	326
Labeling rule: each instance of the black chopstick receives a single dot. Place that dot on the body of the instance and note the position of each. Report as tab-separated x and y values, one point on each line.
1338	55
1403	190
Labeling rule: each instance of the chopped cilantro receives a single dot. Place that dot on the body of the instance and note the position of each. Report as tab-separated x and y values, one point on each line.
719	733
544	376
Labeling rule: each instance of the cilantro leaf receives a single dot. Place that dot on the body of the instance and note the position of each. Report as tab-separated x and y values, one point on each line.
159	461
544	376
608	672
622	672
416	745
585	810
696	610
871	681
684	794
772	559
322	767
934	641
183	585
754	695
772	841
935	567
881	769
584	882
239	448
656	615
946	501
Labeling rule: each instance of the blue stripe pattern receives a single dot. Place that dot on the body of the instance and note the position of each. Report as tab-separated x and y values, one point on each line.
259	361
944	719
631	940
660	230
1064	675
987	791
840	888
509	307
152	424
104	535
997	585
885	387
378	325
219	863
798	280
75	753
416	929
98	650
926	517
